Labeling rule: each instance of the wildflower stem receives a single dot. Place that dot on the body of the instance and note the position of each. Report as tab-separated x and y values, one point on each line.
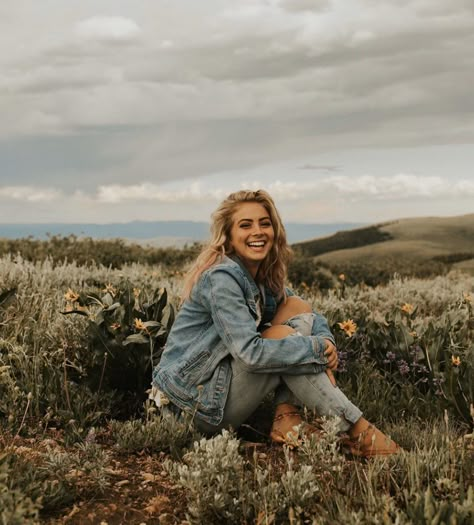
66	388
23	419
100	382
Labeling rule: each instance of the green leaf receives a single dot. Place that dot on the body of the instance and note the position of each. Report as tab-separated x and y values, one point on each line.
135	338
151	324
80	312
112	307
108	299
90	298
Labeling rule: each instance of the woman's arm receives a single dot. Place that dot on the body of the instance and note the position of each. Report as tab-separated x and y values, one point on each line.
223	296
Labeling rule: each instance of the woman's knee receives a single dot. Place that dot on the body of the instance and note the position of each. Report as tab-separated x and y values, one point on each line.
291	307
278	331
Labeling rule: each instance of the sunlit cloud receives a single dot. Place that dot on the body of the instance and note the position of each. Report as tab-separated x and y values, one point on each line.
104	28
153	192
397	187
400	186
29	193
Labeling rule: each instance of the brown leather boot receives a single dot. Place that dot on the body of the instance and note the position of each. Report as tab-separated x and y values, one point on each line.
368	441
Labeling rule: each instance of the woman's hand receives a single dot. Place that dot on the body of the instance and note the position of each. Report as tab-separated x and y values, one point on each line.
331	354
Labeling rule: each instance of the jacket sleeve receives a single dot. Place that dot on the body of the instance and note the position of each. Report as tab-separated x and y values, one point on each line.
320	323
224	297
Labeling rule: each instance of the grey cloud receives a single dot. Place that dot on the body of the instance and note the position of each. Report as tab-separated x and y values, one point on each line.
47	81
383	59
305	5
314	167
65	161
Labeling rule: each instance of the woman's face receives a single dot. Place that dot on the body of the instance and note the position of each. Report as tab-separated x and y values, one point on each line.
251	235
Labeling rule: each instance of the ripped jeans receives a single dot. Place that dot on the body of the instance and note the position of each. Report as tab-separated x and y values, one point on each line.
315	391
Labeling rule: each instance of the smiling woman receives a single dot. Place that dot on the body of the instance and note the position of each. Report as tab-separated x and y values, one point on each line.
241	334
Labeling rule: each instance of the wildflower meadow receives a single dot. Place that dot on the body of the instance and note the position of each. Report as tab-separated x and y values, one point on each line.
81	443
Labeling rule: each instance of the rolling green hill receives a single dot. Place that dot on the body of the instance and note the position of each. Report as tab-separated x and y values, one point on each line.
447	240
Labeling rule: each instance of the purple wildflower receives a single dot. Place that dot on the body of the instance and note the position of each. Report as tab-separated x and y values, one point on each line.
342	357
403	367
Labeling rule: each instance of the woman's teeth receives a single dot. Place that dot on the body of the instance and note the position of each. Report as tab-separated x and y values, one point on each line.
257	244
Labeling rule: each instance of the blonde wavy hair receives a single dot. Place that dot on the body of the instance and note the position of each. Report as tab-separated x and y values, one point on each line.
273	269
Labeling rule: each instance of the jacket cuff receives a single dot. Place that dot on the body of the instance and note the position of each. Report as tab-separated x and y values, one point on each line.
319	346
330	337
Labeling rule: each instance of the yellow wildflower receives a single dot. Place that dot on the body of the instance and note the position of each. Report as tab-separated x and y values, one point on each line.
136	292
110	289
407	308
413	334
349	327
341	277
455	360
138	323
467	297
71	296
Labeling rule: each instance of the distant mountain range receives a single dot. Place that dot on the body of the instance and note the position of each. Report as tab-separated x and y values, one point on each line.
157	233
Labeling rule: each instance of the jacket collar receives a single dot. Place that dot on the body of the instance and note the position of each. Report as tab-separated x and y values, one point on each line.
253	284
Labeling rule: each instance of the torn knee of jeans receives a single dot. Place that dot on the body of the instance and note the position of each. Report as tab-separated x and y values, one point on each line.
302	323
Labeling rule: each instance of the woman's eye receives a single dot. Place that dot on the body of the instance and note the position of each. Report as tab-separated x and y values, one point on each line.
266	224
245	225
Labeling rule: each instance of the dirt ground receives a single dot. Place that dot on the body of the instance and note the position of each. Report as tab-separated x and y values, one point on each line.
139	491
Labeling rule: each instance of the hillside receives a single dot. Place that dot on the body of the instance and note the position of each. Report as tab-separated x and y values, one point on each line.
446	239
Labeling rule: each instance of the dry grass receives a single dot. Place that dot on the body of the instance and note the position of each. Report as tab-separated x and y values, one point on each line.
417	239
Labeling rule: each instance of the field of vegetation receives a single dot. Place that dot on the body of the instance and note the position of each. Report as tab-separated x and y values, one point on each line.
80	442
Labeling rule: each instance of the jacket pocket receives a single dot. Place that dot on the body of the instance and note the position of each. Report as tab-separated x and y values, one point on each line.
192	370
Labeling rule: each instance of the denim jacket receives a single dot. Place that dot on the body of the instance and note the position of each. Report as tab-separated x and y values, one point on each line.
218	323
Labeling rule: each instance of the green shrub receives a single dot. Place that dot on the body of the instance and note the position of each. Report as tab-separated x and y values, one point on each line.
51	480
127	330
212	474
222	488
113	253
15	507
158	432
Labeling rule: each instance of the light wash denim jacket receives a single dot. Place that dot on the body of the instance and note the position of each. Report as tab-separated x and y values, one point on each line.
218	323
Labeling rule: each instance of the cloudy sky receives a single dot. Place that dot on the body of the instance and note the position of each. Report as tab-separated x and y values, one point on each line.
345	110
